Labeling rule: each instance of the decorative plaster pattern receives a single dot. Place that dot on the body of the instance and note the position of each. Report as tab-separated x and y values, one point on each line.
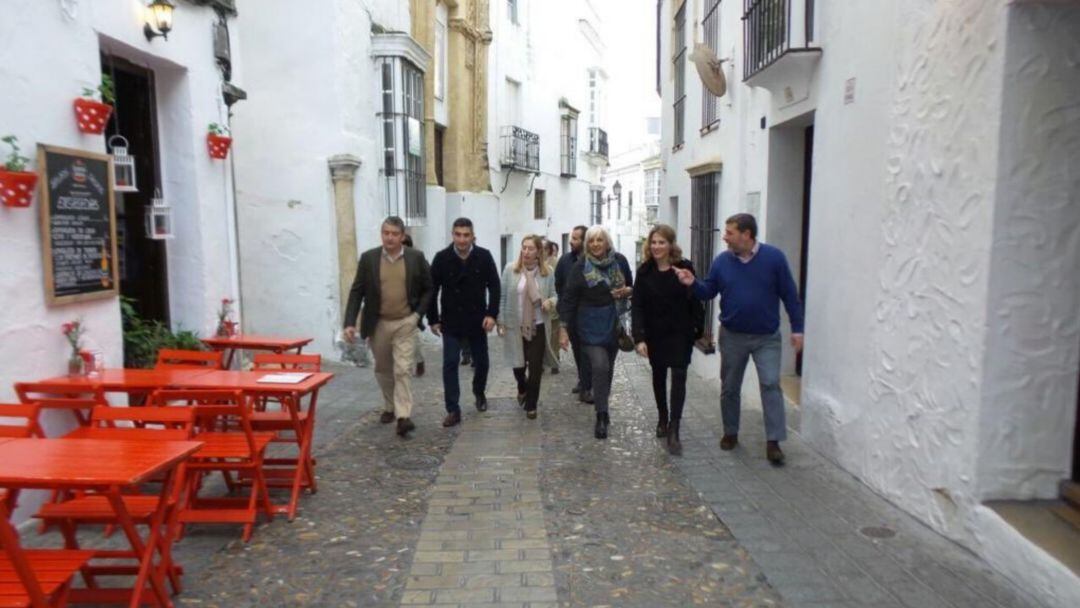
924	372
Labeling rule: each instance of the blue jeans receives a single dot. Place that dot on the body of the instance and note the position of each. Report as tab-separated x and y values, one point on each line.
451	358
735	352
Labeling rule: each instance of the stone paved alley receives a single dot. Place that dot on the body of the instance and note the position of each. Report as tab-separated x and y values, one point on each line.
503	511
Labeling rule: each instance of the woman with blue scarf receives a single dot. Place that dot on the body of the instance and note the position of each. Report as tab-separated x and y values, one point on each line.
588	306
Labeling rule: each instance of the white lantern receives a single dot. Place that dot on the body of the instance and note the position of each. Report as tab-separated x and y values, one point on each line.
159	224
123	165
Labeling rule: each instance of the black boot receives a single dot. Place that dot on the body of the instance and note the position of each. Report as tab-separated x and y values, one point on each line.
662	425
601	425
674	446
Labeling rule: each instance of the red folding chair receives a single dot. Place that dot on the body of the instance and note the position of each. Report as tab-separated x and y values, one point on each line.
78	400
25	412
154	423
35	578
230	446
189	359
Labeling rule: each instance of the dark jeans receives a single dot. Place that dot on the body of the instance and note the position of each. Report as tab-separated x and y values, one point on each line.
602	365
735	352
529	383
452	360
678	391
584	371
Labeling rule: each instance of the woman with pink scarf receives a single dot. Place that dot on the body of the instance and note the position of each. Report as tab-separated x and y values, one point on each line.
526	307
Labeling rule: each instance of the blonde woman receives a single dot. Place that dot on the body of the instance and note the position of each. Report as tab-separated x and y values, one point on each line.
526	307
588	307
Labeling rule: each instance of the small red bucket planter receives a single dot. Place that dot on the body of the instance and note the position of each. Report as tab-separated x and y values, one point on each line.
218	141
16	183
17	188
218	145
91	115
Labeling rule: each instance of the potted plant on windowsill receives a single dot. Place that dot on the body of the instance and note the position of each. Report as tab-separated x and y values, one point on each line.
16	183
92	115
218	140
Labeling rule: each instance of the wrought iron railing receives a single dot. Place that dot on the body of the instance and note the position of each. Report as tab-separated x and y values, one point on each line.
598	142
772	28
520	149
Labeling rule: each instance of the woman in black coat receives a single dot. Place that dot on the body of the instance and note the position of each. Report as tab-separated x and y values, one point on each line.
667	318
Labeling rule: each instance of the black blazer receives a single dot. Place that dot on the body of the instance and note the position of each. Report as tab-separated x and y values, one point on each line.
470	290
366	288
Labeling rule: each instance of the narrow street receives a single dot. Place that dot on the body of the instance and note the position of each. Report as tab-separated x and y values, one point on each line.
503	511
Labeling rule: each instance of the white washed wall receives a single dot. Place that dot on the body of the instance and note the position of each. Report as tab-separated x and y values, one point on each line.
313	93
38	89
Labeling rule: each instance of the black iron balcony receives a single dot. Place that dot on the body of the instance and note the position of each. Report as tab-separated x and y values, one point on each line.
598	142
520	149
773	29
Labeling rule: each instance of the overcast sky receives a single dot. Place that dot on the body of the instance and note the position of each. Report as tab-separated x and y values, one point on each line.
630	32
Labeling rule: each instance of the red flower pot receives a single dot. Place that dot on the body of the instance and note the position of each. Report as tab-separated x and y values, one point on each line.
91	115
17	188
218	145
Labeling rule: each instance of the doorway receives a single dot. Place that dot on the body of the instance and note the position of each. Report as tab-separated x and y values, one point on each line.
804	247
143	261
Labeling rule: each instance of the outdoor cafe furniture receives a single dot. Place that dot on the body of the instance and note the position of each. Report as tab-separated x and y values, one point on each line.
35	578
298	401
108	467
230	445
153	424
188	359
60	394
295	473
231	344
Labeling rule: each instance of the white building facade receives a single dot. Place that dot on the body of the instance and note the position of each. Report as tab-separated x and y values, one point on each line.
631	200
314	189
167	92
915	160
547	129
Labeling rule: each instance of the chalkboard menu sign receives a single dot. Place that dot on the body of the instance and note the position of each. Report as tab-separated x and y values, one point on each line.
78	225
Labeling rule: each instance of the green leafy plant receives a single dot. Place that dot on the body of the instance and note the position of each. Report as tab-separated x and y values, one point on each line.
107	90
15	161
217	129
144	338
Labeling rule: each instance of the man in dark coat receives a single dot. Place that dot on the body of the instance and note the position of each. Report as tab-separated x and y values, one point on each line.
469	281
393	284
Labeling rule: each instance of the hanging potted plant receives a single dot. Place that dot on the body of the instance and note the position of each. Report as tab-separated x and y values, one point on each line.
218	140
16	183
90	114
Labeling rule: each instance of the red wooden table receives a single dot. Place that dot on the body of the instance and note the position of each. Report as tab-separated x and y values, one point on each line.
300	472
254	342
119	380
107	466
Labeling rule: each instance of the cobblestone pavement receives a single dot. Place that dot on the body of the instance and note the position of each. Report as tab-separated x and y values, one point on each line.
504	511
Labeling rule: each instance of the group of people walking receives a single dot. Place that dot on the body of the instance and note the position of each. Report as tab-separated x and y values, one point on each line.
538	305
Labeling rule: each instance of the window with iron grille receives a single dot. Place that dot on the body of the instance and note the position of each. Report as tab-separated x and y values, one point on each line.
630	205
711	25
539	204
512	11
679	61
568	145
402	118
596	214
704	201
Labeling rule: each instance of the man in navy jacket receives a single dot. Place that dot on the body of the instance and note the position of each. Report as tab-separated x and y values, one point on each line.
469	281
752	279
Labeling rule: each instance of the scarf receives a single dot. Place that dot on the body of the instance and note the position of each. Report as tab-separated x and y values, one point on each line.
530	298
606	270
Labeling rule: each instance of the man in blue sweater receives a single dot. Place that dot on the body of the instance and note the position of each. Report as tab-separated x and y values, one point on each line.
752	279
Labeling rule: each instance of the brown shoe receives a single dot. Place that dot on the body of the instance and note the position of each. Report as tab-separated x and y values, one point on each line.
530	414
404	425
387	417
452	419
774	453
728	442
